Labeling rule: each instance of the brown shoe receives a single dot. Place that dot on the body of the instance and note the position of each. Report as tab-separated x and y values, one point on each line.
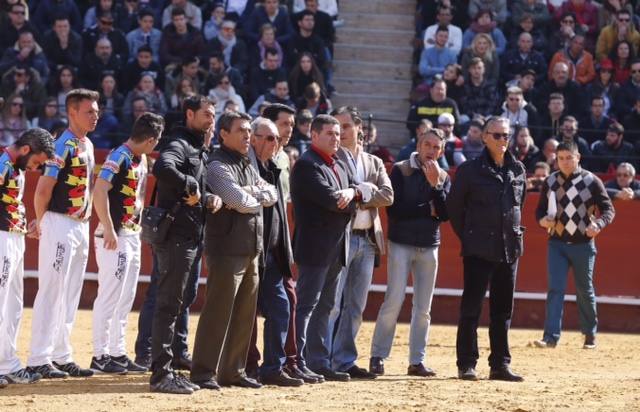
280	379
420	370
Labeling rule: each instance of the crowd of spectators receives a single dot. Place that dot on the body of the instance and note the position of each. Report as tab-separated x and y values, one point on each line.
148	55
558	70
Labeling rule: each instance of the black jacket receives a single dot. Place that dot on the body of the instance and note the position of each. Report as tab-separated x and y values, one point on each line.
485	208
118	42
179	169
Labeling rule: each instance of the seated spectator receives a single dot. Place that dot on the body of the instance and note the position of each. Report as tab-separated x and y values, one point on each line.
109	131
561	38
100	6
621	56
233	49
595	125
480	94
523	147
328	6
293	154
569	133
603	85
270	12
213	24
102	61
609	10
144	35
24	81
626	97
13	121
61	45
128	14
482	47
304	73
453	144
484	23
267	40
631	124
586	17
526	81
180	40
536	10
519	112
28	52
225	92
434	59
66	80
541	171
104	29
143	63
301	138
432	106
47	10
526	25
184	89
515	61
454	41
455	81
305	41
561	83
146	88
371	145
621	29
498	8
111	100
279	94
49	117
314	100
624	186
579	61
264	77
139	106
217	69
192	12
613	150
551	121
16	23
472	144
548	153
323	26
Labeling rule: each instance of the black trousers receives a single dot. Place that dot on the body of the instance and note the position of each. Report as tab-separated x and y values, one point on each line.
176	257
500	277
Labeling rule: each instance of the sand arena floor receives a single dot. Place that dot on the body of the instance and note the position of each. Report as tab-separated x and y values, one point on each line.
565	378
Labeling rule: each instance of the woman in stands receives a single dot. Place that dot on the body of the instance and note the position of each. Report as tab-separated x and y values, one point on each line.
49	118
223	93
146	88
482	46
305	72
267	40
65	81
185	88
621	56
111	100
13	121
604	85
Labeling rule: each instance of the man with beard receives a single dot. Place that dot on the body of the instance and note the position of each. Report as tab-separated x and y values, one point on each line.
612	150
31	150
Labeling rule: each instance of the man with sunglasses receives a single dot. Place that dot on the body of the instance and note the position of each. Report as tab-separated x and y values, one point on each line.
622	28
485	207
624	186
104	29
16	23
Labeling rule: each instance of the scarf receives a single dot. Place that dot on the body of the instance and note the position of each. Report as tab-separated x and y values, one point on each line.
228	46
276	46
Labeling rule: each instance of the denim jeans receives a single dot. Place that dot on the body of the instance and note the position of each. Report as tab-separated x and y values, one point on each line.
581	257
145	319
351	297
423	265
316	292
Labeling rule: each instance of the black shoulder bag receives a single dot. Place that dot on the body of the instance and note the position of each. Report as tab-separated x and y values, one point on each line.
155	221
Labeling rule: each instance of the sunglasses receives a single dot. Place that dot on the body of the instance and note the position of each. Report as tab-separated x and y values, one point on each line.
106	22
20	74
624	20
17	104
635	71
498	135
623	175
269	137
568	21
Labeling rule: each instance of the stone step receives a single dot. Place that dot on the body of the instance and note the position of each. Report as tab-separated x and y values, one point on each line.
347	51
372	70
384	6
379	37
379	20
362	84
375	103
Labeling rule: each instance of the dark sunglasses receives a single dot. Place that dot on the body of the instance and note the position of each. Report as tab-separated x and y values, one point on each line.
106	22
269	137
568	21
627	20
635	71
623	175
498	135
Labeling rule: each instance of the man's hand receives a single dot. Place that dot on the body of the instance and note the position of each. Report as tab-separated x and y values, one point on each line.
625	194
193	199
214	203
345	197
431	171
33	229
110	239
593	230
547	222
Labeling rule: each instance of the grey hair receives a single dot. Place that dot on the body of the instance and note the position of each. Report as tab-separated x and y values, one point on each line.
263	121
496	119
629	167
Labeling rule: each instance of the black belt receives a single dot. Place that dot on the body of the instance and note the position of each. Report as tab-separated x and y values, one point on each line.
361	232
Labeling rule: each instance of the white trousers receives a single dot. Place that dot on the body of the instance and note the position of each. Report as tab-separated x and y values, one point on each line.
62	259
11	289
118	272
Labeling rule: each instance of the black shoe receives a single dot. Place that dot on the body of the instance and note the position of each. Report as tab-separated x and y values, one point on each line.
281	379
184	381
169	384
504	374
468	374
252	373
356	372
104	364
128	364
48	371
73	369
332	375
210	384
296	373
589	342
247	382
312	374
420	370
182	363
144	361
376	365
22	376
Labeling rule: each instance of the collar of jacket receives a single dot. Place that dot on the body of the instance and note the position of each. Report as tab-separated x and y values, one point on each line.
194	138
235	156
489	166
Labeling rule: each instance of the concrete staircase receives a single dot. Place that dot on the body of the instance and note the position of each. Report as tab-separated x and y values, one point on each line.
373	63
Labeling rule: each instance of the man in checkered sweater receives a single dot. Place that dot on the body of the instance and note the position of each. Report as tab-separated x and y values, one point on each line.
567	209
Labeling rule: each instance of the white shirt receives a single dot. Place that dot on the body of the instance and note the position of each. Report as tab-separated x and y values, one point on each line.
363	217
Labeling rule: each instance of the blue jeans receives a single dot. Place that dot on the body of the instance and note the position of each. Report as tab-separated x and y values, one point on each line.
581	257
351	298
145	319
423	265
274	306
316	291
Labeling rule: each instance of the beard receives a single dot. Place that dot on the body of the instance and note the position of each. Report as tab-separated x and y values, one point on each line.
22	161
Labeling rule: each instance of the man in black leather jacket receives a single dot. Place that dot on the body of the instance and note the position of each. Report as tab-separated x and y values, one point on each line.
181	178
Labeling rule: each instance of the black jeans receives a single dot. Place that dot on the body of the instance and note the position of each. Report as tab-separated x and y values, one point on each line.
478	273
145	320
175	257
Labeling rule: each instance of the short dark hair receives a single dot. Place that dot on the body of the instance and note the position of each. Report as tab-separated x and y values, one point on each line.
442	28
615	127
57	16
597	97
144	48
146	126
304	13
270	50
567	147
227	119
438	133
556	96
75	96
351	111
542	165
178	11
322	119
145	12
569	118
272	111
194	103
38	140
